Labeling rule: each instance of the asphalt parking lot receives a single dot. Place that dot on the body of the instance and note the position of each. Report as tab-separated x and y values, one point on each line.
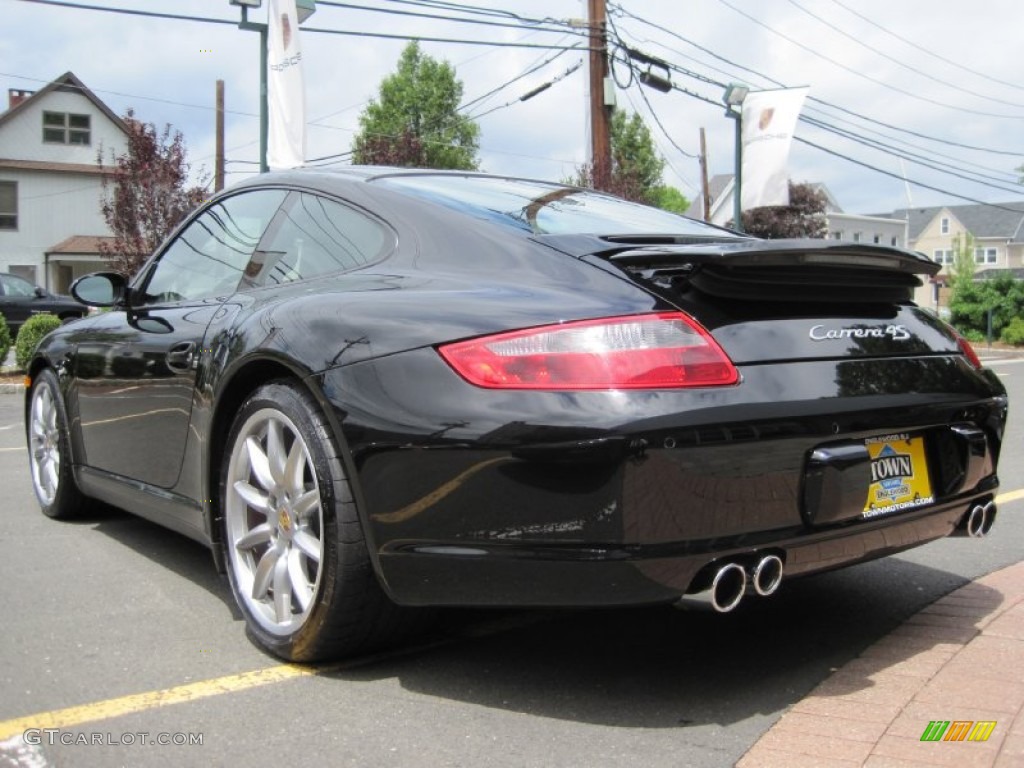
118	635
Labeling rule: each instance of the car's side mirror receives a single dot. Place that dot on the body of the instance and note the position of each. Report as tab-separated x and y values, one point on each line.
40	293
100	289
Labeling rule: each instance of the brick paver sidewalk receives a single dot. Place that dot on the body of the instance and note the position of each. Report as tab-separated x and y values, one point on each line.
961	660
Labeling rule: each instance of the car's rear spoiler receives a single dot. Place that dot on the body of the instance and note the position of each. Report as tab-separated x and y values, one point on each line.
800	270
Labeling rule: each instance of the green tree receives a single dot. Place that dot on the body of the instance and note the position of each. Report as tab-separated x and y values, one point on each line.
147	194
972	300
636	166
415	119
670	199
803	217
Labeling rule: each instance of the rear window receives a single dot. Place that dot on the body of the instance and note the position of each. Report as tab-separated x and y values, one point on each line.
546	209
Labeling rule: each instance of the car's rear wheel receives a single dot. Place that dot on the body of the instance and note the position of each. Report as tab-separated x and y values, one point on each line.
297	560
49	450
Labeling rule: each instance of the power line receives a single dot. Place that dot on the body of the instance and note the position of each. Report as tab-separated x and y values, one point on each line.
896	61
313	30
133	12
529	71
533	92
901	177
136	96
849	135
861	163
825	126
476	10
917	159
947	142
923	49
862	75
560	25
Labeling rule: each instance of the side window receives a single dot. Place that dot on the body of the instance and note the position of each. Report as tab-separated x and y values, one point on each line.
314	236
15	286
209	256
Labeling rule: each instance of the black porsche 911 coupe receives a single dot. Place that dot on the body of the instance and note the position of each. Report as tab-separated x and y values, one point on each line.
372	390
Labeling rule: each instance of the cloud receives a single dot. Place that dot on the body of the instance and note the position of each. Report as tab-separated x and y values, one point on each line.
166	70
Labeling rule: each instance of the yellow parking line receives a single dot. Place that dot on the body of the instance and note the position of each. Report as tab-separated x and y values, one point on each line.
104	710
1006	498
138	702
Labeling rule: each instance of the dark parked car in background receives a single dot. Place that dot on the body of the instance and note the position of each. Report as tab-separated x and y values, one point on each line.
372	390
21	299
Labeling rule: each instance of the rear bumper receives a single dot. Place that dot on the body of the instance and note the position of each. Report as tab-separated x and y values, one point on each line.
489	497
563	576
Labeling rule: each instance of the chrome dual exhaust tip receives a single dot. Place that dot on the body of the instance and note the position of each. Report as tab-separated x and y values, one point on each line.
766	576
731	581
978	521
727	588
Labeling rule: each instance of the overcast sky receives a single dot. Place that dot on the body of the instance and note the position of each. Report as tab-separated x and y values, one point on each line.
927	76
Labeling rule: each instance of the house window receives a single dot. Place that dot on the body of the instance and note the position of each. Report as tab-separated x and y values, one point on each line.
895	241
943	256
66	128
8	205
985	255
837	235
878	238
944	226
856	237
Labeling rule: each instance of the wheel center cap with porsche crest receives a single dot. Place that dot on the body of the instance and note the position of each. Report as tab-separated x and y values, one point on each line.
824	333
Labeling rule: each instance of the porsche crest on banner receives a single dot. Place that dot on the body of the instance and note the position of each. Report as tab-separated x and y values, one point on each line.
769	121
286	96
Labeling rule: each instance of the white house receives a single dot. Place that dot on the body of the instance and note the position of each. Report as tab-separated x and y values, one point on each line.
50	182
854	227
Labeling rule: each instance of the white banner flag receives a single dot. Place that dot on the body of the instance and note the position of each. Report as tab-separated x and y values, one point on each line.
769	121
286	93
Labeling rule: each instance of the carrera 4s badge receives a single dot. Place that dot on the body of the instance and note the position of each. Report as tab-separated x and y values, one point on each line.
823	333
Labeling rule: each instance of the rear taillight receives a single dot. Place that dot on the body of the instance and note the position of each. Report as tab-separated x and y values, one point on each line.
967	350
658	351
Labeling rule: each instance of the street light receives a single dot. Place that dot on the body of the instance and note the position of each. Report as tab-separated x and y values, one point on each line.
733	98
303	9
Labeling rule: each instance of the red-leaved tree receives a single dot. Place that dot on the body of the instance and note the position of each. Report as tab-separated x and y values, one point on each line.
146	195
803	217
405	151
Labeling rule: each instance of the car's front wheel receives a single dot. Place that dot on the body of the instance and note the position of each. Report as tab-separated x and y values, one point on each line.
49	450
297	560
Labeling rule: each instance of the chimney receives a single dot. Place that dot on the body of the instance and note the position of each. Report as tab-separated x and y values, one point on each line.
16	95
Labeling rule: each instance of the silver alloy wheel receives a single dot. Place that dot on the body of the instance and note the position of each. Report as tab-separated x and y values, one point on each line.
44	444
274	522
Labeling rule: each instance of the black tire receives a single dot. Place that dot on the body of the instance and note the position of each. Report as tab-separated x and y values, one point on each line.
49	450
303	610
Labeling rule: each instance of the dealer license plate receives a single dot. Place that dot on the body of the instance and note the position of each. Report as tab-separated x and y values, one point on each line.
899	474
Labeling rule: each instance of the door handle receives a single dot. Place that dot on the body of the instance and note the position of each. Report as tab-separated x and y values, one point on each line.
181	357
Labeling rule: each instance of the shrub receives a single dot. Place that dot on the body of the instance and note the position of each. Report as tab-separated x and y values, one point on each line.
31	334
973	336
1013	333
5	339
972	301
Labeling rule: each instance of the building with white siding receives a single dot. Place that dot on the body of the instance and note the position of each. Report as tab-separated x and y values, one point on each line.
51	182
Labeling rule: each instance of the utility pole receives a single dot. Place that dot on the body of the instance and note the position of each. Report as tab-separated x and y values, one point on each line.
218	162
705	191
600	112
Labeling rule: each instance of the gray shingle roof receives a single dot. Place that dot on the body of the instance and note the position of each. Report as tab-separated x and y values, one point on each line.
996	220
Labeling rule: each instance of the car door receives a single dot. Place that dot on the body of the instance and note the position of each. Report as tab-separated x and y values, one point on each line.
136	368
